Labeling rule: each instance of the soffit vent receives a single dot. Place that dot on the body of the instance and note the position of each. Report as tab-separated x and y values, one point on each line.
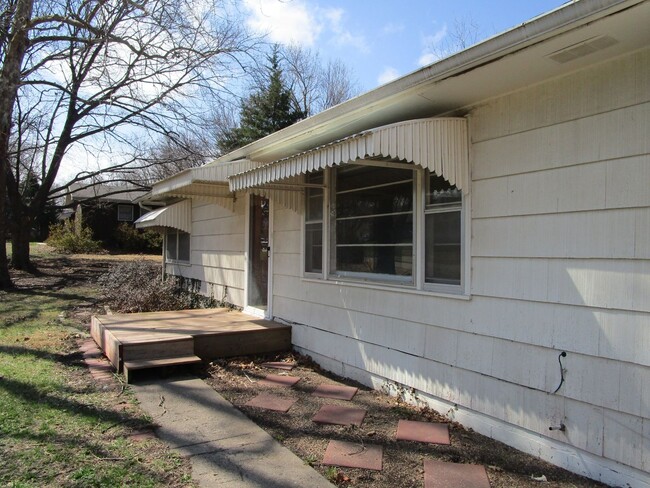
581	49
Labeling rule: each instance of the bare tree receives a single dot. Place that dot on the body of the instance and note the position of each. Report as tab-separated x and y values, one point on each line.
302	68
174	154
464	32
337	84
99	74
315	86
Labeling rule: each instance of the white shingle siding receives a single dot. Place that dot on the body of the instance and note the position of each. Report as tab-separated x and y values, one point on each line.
560	261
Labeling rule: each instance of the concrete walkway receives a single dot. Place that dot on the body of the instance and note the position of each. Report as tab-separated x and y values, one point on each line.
225	447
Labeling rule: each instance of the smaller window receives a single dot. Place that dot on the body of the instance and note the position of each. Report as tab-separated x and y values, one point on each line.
314	224
125	213
442	217
177	246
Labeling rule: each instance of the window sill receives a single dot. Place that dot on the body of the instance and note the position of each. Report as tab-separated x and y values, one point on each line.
409	290
178	263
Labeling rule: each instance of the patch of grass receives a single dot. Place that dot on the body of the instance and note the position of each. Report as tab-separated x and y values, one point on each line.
56	427
37	250
311	460
331	473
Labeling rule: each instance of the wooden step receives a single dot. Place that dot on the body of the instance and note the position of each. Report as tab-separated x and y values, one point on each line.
157	363
169	345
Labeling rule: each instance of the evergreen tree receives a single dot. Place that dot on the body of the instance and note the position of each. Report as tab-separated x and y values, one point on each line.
265	111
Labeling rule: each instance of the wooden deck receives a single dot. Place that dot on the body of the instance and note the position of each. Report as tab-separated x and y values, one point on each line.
146	340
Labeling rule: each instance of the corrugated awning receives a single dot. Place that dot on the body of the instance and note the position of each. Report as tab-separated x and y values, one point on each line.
438	144
177	216
209	181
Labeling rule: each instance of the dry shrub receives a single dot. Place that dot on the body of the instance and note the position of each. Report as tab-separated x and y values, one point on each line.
138	286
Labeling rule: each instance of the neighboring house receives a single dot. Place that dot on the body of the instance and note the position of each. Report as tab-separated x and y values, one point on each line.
476	232
103	207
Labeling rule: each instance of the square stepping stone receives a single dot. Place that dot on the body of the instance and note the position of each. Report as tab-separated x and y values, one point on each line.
353	455
438	474
338	392
279	365
279	380
432	432
333	414
271	402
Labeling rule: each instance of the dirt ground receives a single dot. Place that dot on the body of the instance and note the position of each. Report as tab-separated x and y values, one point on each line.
62	270
236	379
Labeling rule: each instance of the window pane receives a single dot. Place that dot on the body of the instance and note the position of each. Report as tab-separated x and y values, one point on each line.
314	209
171	244
387	199
314	248
386	260
183	246
440	191
372	232
350	177
314	204
125	213
389	229
443	250
314	224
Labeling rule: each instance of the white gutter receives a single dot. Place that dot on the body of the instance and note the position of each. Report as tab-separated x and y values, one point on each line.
555	22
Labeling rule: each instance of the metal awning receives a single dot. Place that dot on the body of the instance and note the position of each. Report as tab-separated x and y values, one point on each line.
209	181
438	144
178	216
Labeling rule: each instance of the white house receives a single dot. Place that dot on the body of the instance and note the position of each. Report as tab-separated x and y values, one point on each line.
477	231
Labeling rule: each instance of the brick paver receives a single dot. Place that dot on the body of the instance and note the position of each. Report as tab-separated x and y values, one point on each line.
353	455
279	380
271	402
334	414
337	392
438	474
431	432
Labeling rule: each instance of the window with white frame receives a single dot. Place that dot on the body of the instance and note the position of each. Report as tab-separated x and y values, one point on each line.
177	245
371	223
125	213
314	224
371	227
442	230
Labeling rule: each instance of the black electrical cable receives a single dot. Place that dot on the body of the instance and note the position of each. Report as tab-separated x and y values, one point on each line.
559	359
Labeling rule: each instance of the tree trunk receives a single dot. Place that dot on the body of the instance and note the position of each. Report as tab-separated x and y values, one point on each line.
20	246
5	278
9	83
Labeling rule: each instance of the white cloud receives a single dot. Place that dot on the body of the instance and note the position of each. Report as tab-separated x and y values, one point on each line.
388	74
393	28
284	22
343	37
431	47
427	58
301	22
334	16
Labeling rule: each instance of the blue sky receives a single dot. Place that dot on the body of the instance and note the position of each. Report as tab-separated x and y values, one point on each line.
383	39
